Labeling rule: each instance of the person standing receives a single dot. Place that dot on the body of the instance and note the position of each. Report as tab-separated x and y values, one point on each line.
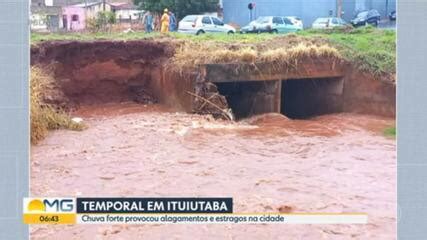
165	22
148	21
172	22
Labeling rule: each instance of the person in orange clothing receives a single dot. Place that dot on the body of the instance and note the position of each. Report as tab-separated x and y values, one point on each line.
165	22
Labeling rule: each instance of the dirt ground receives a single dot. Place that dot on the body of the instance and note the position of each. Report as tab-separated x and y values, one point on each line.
333	163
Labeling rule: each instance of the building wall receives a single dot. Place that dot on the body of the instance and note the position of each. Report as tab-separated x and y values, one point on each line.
380	5
236	11
93	10
352	7
38	22
45	21
125	14
68	2
82	14
71	25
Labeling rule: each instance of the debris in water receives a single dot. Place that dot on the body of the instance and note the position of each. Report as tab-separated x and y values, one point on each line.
181	132
285	209
189	162
215	101
77	120
107	177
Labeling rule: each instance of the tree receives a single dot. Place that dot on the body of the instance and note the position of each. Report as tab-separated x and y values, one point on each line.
181	8
102	21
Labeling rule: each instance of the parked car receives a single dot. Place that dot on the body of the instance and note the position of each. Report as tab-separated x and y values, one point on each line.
372	17
199	24
392	16
271	24
328	23
296	21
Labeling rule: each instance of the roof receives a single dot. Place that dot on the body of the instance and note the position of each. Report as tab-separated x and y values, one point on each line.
46	10
55	3
82	5
123	6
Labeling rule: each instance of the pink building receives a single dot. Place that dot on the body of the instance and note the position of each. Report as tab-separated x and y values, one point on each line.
74	17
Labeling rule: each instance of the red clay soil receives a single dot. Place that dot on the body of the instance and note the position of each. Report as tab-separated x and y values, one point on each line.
102	71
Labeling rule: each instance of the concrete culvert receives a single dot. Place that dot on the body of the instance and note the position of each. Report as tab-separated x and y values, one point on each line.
297	98
90	73
311	88
249	98
304	98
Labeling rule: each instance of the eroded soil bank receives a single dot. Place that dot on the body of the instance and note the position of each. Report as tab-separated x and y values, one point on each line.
331	163
89	73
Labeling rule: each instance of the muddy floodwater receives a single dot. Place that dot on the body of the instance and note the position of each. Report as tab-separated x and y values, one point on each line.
331	163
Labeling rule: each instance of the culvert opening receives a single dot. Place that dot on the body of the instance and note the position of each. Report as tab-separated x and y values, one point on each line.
247	98
294	98
305	98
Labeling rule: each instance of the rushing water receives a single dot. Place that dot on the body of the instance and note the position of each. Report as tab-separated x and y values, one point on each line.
332	163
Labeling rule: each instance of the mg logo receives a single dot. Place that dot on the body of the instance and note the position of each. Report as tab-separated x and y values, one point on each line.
61	205
49	205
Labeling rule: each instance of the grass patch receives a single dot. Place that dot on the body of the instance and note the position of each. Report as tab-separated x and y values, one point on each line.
45	117
40	37
226	38
273	53
218	37
371	49
390	132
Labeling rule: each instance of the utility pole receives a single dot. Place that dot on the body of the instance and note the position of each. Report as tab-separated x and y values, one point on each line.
103	5
339	8
251	6
85	14
386	8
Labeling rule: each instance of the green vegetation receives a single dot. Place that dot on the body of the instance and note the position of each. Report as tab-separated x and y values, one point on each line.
370	49
102	22
45	117
191	54
227	38
390	132
180	7
221	38
40	37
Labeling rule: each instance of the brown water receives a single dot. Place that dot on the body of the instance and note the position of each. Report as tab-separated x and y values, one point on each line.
333	163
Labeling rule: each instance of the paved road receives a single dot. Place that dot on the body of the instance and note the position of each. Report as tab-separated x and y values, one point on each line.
388	25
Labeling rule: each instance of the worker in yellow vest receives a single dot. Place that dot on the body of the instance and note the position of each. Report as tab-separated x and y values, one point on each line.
165	21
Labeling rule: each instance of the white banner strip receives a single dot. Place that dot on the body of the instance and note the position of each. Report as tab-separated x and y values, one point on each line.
222	218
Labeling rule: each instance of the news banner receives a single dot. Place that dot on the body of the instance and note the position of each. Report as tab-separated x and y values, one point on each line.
165	211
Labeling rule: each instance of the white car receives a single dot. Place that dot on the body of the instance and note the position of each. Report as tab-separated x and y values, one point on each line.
296	21
199	24
270	24
328	23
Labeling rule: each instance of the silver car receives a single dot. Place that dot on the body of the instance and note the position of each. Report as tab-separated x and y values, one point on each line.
328	23
271	24
199	24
